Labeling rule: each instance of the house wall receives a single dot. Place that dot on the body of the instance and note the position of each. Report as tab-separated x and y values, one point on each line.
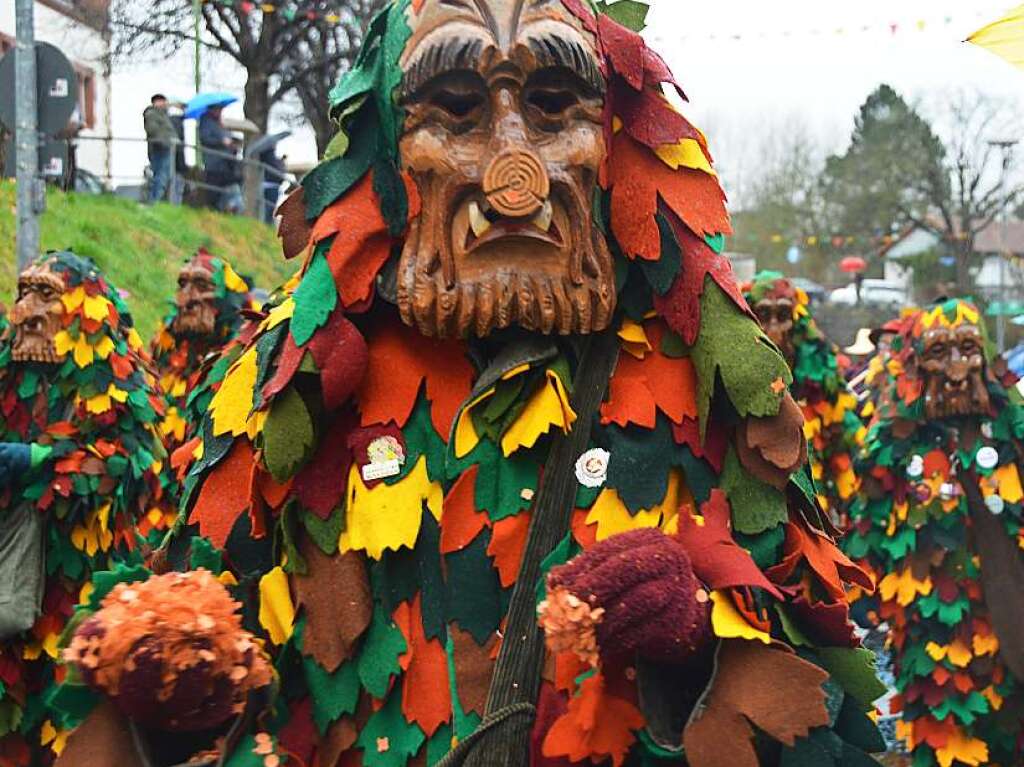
78	36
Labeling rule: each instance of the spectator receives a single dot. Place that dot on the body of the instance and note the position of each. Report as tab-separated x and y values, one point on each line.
273	175
177	190
221	167
160	137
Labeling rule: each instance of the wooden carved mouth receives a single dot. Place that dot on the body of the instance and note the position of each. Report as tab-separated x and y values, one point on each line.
487	225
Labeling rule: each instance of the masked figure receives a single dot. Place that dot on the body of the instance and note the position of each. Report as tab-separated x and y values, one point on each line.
832	426
207	314
938	521
516	369
80	465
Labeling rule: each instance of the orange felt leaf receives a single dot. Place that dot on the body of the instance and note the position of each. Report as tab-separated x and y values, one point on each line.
754	686
630	399
637	178
584	534
936	463
426	697
225	494
831	565
460	521
568	668
596	726
400	359
508	537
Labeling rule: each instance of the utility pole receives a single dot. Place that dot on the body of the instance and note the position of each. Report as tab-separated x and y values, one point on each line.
31	193
1006	146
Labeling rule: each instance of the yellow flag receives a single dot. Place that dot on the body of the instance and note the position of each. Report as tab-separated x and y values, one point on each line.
1005	37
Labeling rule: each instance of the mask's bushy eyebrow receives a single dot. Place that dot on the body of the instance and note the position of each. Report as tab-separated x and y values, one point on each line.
446	55
556	51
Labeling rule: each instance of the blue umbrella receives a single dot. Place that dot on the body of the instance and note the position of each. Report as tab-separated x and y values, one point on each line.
198	104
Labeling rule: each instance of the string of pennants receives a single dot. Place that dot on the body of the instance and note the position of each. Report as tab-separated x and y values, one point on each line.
289	11
892	27
813	241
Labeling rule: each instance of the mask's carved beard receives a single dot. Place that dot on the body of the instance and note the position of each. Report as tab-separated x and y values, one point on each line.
198	318
30	346
944	399
784	340
437	299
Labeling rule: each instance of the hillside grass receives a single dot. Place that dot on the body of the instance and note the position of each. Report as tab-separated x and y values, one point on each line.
141	248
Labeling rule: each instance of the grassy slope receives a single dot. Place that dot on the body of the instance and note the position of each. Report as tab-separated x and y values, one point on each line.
141	248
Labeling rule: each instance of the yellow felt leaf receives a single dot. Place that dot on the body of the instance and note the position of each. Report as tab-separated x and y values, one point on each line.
104	347
728	623
904	587
99	404
82	351
812	427
846	483
233	282
72	299
547	407
134	339
277	613
993	697
686	154
985	645
1009	483
231	404
85	592
96	308
962	749
508	375
50	735
612	517
279	314
634	338
388	517
466	437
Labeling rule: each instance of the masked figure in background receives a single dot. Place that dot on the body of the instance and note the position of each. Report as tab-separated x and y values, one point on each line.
207	314
517	370
831	424
939	521
81	465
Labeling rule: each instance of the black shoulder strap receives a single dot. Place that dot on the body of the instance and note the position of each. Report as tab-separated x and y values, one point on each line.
503	737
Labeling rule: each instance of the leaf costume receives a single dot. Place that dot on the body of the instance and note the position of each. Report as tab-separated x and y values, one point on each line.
91	418
938	518
831	422
372	462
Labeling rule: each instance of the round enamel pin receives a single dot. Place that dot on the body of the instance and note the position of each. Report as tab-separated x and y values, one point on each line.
995	504
916	467
592	467
385	456
987	457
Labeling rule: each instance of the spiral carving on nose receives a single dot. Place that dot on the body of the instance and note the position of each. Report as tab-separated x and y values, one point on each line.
516	183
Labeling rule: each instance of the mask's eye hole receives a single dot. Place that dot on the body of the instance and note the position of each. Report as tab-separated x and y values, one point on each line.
458	104
937	349
551	101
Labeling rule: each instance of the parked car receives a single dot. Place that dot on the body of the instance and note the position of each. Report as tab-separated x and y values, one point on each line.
815	293
872	293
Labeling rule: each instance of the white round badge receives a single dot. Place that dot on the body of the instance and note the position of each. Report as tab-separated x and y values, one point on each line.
987	457
916	467
995	504
592	467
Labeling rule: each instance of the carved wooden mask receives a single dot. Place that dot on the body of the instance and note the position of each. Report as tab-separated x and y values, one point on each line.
952	364
36	317
196	300
504	139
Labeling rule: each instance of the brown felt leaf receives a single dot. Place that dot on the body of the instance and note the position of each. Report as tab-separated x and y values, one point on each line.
340	737
293	229
336	596
754	686
102	740
773	448
474	667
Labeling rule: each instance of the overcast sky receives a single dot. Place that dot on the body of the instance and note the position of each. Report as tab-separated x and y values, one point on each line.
747	65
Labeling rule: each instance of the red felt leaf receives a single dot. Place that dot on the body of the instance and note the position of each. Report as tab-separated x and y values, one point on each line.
225	494
579	9
638	178
320	486
649	118
508	539
400	360
681	305
426	696
716	558
831	565
596	726
716	442
460	521
299	736
288	362
624	49
340	354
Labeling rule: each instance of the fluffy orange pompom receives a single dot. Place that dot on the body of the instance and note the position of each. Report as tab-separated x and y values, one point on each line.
170	652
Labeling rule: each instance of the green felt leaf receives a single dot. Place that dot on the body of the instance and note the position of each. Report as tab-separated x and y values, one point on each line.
324	532
853	726
662	272
631	14
765	548
854	669
288	435
401	574
204	555
421	439
700	477
104	582
732	348
331	179
378	660
473	594
966	709
332	694
315	298
244	754
501	482
387	739
439	745
337	146
715	241
672	345
793	632
756	506
640	461
70	704
566	549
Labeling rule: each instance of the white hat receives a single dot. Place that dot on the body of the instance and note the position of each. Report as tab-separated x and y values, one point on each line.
862	346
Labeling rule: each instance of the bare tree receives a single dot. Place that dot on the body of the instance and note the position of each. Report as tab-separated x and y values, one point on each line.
287	50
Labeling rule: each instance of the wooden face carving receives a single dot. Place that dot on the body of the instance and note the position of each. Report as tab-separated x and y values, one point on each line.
953	366
197	301
36	317
504	139
776	316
